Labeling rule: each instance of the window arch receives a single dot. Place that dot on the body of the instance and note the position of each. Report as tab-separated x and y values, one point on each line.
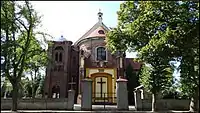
101	53
59	48
101	32
58	55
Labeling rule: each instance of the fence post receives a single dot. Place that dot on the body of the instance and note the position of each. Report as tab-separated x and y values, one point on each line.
70	99
138	100
104	100
122	94
46	96
86	94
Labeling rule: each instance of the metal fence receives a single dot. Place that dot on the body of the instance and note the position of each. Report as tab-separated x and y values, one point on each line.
104	98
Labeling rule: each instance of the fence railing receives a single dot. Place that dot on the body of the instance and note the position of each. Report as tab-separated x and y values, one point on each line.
104	98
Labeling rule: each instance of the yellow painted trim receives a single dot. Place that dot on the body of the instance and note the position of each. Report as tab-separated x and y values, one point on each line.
104	74
105	70
87	72
100	68
115	75
109	85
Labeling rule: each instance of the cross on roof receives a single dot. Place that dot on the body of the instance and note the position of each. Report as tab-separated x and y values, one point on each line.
100	15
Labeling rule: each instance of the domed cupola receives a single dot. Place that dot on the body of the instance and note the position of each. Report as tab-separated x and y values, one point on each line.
60	39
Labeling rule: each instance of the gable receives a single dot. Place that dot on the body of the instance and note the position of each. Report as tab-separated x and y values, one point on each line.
99	32
93	32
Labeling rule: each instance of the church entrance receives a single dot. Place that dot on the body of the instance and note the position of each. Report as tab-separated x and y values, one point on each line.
56	92
102	88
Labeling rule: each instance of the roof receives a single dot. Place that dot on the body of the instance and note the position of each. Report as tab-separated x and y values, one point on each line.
135	65
96	33
139	87
93	32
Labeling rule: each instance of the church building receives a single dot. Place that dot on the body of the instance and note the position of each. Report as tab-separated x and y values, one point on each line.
89	58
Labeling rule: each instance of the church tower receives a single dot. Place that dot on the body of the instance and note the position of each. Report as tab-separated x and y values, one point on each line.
62	71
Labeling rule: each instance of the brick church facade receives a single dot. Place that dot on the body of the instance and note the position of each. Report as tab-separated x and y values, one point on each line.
86	58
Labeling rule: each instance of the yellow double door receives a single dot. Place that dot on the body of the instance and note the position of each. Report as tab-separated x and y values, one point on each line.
102	87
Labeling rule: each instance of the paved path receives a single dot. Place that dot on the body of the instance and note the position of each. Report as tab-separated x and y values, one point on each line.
60	111
96	109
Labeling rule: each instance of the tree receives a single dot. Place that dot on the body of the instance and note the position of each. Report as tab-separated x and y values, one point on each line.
6	88
40	89
36	61
161	32
36	90
138	31
26	85
133	82
18	23
184	36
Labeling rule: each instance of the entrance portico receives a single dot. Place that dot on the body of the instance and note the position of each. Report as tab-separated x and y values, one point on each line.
102	88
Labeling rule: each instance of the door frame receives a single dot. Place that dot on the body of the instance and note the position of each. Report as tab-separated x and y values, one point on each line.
109	83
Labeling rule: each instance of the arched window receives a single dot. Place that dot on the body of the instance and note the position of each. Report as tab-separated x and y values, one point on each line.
60	57
101	32
56	56
101	53
59	48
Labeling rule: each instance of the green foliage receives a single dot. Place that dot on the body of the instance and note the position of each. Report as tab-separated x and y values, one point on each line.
33	87
138	31
19	46
6	88
40	89
160	32
189	76
3	89
27	87
155	82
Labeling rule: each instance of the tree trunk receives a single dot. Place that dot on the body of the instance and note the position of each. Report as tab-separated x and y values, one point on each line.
153	102
197	97
32	84
15	96
5	94
194	103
